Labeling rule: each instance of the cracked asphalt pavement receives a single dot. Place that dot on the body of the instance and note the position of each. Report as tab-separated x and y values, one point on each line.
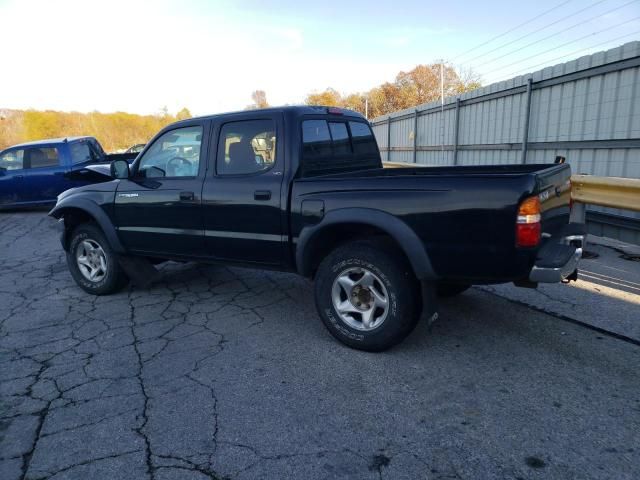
217	372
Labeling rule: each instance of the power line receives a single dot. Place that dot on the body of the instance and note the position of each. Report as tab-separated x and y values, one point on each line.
569	43
558	33
538	30
547	62
512	29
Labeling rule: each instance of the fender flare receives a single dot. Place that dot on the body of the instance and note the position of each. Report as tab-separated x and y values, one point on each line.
92	209
410	243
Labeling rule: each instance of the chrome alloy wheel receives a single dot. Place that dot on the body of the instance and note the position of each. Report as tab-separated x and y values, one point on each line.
91	260
360	298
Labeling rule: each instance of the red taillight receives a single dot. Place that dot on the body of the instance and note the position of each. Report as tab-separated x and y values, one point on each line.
528	235
528	223
335	111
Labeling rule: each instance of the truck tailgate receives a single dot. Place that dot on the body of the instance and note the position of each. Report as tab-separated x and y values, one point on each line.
554	192
562	242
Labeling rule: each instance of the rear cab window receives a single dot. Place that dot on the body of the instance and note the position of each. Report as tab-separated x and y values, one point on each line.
80	152
364	143
333	146
316	139
340	138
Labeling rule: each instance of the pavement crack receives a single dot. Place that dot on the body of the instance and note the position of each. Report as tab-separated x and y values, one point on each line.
140	429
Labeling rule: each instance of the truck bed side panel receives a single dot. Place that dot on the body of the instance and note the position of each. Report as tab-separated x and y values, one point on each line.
466	222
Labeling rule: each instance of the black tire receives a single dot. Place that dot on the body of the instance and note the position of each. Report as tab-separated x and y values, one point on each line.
402	292
445	290
113	280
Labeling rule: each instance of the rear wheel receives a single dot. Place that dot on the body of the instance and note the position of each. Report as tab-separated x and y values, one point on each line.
92	263
367	297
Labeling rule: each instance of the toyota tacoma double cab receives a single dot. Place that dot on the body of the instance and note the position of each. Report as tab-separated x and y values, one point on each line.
303	189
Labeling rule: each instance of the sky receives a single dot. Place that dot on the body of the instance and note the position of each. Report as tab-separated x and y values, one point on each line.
208	56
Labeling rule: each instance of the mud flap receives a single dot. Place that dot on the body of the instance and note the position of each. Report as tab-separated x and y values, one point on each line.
429	303
571	278
139	270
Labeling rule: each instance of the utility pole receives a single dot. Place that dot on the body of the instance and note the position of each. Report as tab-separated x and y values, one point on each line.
366	108
442	108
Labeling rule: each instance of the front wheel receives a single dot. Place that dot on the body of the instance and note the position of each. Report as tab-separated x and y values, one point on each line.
367	297
92	263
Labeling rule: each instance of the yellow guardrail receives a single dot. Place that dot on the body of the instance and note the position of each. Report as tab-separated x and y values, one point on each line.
613	192
400	165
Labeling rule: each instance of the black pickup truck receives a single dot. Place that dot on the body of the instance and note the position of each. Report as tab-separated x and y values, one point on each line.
303	189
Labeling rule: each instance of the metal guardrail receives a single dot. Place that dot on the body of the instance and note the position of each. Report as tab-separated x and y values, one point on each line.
401	165
615	192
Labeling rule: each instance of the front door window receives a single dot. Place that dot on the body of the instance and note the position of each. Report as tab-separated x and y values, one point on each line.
175	154
13	160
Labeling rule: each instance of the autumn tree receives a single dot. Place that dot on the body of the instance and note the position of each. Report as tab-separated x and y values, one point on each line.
355	101
183	114
259	98
115	131
11	127
329	97
417	86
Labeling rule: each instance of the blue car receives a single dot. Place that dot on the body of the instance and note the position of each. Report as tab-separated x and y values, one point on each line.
35	173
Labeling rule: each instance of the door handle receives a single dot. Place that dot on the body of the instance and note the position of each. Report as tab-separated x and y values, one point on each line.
18	177
187	196
262	195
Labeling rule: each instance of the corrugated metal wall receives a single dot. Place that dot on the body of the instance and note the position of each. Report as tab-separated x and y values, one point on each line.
587	110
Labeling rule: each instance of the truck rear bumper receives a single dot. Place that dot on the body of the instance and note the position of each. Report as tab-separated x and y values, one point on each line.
558	259
556	274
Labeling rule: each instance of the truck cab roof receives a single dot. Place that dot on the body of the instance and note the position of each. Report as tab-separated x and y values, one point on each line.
50	141
294	110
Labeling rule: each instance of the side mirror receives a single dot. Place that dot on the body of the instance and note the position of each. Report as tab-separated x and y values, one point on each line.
120	169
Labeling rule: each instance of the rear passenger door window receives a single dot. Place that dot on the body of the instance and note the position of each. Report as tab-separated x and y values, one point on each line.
246	147
41	157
